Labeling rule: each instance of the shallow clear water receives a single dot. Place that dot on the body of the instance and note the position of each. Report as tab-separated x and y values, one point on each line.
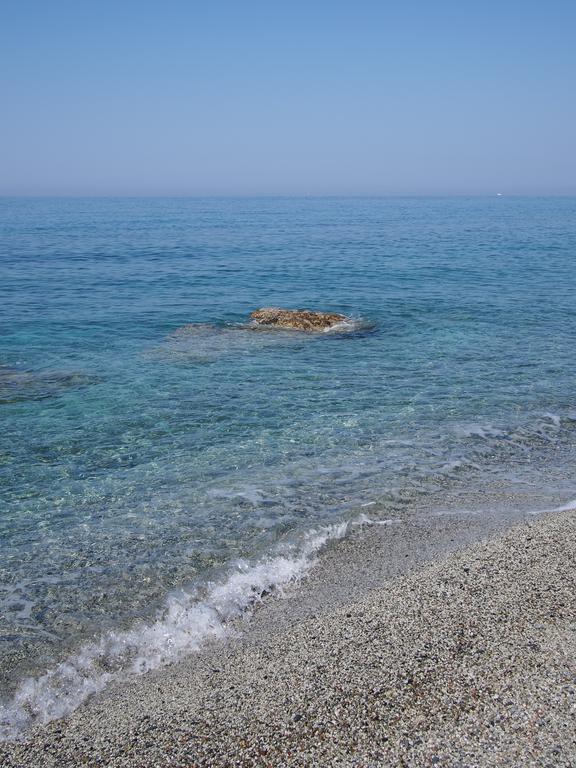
135	460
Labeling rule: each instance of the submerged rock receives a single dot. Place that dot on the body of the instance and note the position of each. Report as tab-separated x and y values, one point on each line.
20	385
198	329
204	342
297	319
270	327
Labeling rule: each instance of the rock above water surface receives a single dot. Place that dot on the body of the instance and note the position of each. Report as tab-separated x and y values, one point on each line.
298	319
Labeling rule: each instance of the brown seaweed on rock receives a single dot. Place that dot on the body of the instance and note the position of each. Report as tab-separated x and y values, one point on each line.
297	319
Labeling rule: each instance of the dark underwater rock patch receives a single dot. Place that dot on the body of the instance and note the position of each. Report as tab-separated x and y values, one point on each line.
21	385
205	342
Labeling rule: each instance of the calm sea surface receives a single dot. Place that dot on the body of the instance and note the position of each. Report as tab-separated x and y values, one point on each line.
152	482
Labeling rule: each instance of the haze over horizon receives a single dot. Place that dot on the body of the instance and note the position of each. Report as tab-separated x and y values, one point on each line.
299	99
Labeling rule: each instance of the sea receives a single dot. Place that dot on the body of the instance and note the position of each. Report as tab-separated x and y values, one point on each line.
164	464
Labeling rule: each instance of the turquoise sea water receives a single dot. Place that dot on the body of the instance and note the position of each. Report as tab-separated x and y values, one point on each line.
152	482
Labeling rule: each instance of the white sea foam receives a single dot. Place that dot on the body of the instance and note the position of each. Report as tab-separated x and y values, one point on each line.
543	426
363	519
484	431
185	624
455	512
571	505
554	418
343	325
348	325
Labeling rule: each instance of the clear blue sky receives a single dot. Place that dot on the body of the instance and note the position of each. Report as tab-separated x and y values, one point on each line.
292	97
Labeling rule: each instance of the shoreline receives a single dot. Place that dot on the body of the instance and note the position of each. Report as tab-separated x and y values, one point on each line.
319	677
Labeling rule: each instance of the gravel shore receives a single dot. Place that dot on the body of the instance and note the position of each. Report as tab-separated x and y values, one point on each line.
468	660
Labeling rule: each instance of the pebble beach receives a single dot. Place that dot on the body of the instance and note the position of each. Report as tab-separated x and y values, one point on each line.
461	655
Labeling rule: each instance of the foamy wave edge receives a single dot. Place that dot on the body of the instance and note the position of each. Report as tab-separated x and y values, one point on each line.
184	625
350	325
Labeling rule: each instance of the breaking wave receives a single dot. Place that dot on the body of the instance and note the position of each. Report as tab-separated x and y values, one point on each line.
184	625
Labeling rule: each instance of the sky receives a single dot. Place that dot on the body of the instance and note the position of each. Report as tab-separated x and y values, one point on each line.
214	97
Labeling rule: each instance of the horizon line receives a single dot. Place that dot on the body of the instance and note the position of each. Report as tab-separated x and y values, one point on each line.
273	195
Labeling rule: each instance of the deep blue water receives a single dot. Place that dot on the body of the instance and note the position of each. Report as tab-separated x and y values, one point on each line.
135	461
